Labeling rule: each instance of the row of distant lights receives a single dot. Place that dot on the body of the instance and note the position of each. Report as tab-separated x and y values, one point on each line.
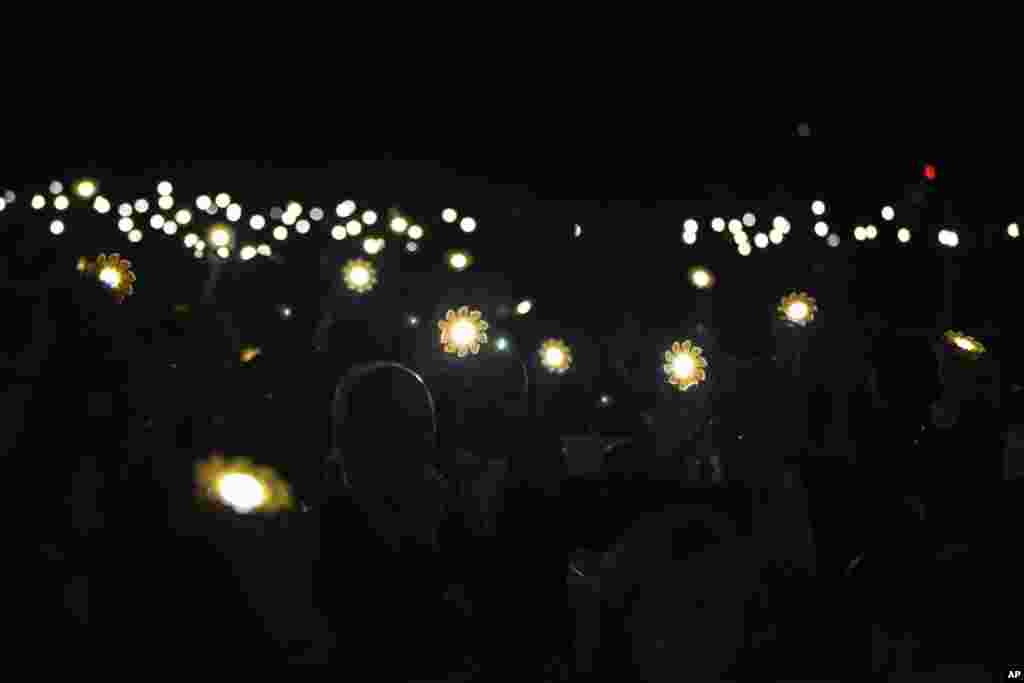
780	228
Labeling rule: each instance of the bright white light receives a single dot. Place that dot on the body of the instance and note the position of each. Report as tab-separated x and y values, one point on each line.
859	233
110	277
223	252
776	236
740	238
797	310
399	224
263	250
183	216
203	202
156	221
464	333
56	187
821	228
101	204
220	237
458	261
234	213
3	204
353	228
761	240
749	220
200	245
125	224
372	245
501	344
198	254
1013	230
289	218
166	202
467	224
38	202
952	238
412	247
222	200
359	276
701	279
818	207
780	223
718	224
302	227
61	203
191	239
170	228
248	252
280	233
415	232
135	236
124	210
85	189
257	222
346	208
744	249
577	231
338	232
735	225
690	237
449	215
164	189
57	227
871	232
369	217
682	365
690	225
316	213
9	196
903	235
888	213
833	240
524	307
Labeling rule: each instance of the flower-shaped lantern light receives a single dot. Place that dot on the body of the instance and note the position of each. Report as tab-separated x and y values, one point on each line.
966	347
113	272
242	486
359	275
462	332
701	278
685	366
797	308
555	356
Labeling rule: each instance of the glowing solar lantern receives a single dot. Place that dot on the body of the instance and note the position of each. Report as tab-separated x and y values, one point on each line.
249	353
779	223
1013	230
690	225
316	213
156	221
280	233
289	218
164	189
102	205
818	207
183	217
966	347
859	233
222	200
85	188
740	238
373	245
462	332
116	274
701	277
821	229
38	202
888	213
203	202
234	212
346	208
555	356
369	217
577	231
302	227
903	235
449	215
338	232
399	225
125	224
458	260
685	366
61	203
170	228
798	308
744	249
412	247
523	307
735	225
749	220
257	222
776	236
166	203
415	232
263	250
871	232
191	239
248	252
690	238
220	236
294	208
718	224
359	275
239	485
57	227
353	228
761	240
467	224
56	187
135	236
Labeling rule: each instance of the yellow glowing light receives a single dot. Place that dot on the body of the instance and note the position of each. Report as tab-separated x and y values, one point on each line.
220	236
463	331
110	277
1013	230
968	347
248	353
203	202
135	236
467	224
555	355
38	202
359	275
101	204
114	272
61	203
242	486
458	260
338	232
166	202
701	277
164	188
685	366
449	215
222	200
353	228
373	245
399	224
86	188
415	232
524	307
798	308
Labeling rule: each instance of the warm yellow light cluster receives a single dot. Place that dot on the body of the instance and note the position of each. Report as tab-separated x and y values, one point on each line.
555	355
968	347
463	332
798	308
685	366
242	486
113	271
360	276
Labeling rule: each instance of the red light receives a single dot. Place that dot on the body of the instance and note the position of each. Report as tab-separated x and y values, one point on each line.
929	171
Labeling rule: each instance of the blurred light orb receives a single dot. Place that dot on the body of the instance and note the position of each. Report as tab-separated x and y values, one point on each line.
280	233
85	188
780	223
821	229
294	208
166	202
718	224
373	245
302	227
222	200
125	224
353	228
110	277
56	187
903	235
257	222
888	213
415	232
200	245
135	236
263	250
684	365
701	277
412	247
101	205
458	261
690	225
524	307
3	204
156	221
170	227
346	208
191	239
818	207
338	232
220	236
577	230
463	331
316	213
369	217
776	236
359	275
289	218
234	212
203	202
859	233
749	220
449	215
223	252
57	227
1013	230
467	224
9	196
735	225
740	238
276	213
555	356
241	492
61	203
38	202
183	217
833	240
690	238
248	252
164	188
954	239
798	308
871	232
761	240
744	249
124	210
605	400
501	343
399	224
412	320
